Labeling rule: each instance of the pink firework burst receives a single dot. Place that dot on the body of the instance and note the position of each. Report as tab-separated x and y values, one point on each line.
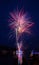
20	21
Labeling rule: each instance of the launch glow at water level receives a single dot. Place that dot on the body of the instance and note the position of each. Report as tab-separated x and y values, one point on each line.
19	53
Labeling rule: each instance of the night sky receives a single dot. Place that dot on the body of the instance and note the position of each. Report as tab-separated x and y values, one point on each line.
32	7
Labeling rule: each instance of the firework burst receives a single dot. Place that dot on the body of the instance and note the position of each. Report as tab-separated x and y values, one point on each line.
20	21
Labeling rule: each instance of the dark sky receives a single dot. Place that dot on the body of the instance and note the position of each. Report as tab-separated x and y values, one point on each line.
32	7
